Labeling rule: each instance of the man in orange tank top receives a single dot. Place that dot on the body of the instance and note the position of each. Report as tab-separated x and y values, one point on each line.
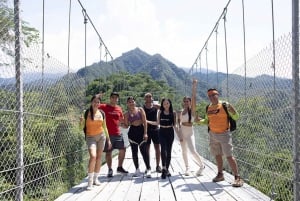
220	139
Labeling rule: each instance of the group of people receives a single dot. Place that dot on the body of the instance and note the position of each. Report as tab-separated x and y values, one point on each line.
156	123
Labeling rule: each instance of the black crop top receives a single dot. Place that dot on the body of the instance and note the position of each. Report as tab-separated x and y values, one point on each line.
166	120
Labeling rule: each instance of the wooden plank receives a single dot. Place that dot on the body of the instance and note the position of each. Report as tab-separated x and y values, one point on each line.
178	187
150	190
125	186
191	183
89	195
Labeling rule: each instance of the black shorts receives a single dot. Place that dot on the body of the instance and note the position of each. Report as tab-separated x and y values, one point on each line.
153	135
117	142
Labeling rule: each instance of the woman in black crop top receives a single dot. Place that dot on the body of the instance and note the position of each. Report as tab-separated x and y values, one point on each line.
166	120
135	118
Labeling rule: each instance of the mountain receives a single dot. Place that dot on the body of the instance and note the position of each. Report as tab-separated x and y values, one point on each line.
160	69
138	61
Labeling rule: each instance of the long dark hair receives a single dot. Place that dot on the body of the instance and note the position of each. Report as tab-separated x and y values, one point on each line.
189	109
91	107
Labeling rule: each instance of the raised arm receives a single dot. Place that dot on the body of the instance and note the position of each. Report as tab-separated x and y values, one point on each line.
194	92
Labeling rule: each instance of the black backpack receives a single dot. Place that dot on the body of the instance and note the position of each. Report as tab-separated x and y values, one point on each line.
85	117
230	119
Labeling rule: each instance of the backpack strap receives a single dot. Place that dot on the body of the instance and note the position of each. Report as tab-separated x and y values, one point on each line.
86	112
225	108
206	114
102	112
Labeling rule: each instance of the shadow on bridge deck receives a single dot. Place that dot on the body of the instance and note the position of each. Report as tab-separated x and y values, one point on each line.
177	187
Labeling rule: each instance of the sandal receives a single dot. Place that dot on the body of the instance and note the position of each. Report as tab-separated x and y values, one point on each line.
238	182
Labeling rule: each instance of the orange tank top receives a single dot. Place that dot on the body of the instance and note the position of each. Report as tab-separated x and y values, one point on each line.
217	118
94	127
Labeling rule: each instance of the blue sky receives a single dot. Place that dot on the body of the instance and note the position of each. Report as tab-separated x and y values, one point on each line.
176	29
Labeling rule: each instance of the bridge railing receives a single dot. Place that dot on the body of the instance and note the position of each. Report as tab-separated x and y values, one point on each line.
43	152
263	142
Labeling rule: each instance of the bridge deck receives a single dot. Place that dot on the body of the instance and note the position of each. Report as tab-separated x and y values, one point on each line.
178	187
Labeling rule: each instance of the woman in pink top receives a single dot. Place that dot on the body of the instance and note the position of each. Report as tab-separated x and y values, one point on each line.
135	118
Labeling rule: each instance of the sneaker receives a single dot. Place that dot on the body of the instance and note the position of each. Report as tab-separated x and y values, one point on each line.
148	173
238	182
199	172
90	184
219	177
110	173
96	182
187	172
137	173
121	170
168	173
158	169
164	173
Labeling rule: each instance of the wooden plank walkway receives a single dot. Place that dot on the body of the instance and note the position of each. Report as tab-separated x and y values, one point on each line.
177	187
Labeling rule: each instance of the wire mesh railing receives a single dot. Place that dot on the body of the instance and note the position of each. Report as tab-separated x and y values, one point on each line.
263	142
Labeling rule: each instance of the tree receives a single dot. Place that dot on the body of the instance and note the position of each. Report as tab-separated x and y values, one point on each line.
7	34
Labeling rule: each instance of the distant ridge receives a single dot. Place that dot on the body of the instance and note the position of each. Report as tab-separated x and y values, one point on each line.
138	61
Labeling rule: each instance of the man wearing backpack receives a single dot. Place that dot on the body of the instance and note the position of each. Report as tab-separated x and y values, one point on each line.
220	140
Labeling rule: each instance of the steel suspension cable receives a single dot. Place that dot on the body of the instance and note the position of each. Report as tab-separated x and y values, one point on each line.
100	51
206	50
273	36
69	34
212	31
226	51
200	64
87	16
85	77
245	58
217	62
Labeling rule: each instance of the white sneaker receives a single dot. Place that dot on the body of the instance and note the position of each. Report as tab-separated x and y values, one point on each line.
199	172
148	173
90	184
96	182
137	173
187	172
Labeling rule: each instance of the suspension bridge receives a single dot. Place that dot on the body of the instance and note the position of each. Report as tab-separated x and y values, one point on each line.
43	153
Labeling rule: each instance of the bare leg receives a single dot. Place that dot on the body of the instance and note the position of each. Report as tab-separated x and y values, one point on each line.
98	160
121	157
233	164
108	158
92	160
219	161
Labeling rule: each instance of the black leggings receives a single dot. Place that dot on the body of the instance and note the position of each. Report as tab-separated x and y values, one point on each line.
136	135
166	138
